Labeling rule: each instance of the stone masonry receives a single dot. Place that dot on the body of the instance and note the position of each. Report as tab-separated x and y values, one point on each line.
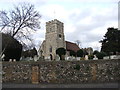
61	71
54	38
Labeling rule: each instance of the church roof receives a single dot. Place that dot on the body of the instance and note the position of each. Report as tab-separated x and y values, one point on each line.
71	46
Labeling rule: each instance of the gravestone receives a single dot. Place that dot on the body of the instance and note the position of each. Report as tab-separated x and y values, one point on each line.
36	58
95	57
78	58
73	58
14	60
70	58
86	57
57	58
67	58
10	60
48	58
28	59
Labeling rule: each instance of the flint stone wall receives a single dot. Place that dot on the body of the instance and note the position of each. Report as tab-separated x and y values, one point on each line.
62	71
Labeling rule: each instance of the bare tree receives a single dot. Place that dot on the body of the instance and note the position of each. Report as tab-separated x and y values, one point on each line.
20	22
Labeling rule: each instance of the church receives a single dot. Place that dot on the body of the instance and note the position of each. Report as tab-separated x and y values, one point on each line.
54	39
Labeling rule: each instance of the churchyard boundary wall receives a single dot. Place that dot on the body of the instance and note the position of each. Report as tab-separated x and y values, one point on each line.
90	71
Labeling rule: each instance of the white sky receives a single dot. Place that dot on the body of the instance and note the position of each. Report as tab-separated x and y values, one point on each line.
84	20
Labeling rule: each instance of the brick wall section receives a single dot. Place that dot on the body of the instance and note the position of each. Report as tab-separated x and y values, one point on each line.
62	71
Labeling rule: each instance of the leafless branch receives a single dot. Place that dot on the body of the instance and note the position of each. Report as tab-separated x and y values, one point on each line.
23	18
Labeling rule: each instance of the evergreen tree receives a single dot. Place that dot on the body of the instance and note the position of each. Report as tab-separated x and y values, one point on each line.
72	53
100	55
61	52
80	53
95	52
111	41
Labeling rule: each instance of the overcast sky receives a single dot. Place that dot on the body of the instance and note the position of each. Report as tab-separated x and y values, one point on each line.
84	20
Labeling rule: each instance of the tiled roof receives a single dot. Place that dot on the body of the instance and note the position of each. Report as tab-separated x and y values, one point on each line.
71	46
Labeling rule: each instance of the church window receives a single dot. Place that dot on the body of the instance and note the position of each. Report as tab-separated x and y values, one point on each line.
60	36
50	48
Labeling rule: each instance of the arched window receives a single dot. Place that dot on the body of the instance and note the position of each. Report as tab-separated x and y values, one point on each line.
60	36
50	49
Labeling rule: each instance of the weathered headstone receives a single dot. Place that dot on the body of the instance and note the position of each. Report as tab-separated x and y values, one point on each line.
10	60
45	58
35	58
48	58
57	58
14	60
95	57
106	57
78	58
66	57
73	58
86	57
70	58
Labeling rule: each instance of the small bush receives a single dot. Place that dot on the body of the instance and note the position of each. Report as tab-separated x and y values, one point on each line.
100	55
90	56
82	58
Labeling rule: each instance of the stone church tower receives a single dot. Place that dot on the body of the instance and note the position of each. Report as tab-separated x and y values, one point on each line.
54	39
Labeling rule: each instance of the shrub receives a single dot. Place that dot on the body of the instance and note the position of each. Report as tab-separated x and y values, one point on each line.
100	55
61	52
80	53
90	56
72	53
